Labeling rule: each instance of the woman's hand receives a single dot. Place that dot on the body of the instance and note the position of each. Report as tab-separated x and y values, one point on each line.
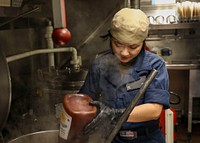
106	118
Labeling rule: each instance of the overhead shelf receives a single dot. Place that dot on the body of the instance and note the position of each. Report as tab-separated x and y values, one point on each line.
189	25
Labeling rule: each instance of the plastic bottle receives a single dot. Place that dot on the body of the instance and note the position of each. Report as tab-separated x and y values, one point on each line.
76	114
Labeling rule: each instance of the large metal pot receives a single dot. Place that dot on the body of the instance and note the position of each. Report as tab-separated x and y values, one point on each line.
49	136
5	90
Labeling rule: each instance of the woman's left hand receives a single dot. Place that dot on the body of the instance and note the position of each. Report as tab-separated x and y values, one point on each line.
106	118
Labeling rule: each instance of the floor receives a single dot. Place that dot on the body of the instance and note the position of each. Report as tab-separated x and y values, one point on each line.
182	135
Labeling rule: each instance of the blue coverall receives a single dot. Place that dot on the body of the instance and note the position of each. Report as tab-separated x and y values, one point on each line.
105	83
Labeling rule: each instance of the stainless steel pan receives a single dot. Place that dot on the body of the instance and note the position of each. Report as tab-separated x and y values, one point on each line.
5	90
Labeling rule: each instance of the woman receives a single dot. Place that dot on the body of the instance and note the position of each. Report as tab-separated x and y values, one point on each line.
115	77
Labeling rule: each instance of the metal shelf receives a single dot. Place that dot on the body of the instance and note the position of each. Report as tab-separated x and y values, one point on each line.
188	25
182	66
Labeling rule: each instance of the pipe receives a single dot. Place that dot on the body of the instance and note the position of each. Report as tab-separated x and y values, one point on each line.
76	60
48	36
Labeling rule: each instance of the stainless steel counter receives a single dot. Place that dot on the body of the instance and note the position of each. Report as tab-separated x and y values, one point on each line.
182	66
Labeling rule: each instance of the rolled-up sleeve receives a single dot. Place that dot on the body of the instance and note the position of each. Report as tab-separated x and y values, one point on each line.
158	91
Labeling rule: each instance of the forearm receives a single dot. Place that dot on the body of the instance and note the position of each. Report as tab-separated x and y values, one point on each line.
145	112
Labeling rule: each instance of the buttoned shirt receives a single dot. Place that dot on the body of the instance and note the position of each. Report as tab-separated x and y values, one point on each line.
105	82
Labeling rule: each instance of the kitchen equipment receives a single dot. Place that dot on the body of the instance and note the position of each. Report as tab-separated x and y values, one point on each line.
66	79
151	20
159	19
48	136
171	19
166	54
5	90
188	11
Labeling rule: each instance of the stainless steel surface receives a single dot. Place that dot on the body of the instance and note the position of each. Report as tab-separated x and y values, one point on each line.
175	26
5	91
49	136
156	7
183	66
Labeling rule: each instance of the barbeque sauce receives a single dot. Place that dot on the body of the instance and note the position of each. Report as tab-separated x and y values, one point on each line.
76	114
